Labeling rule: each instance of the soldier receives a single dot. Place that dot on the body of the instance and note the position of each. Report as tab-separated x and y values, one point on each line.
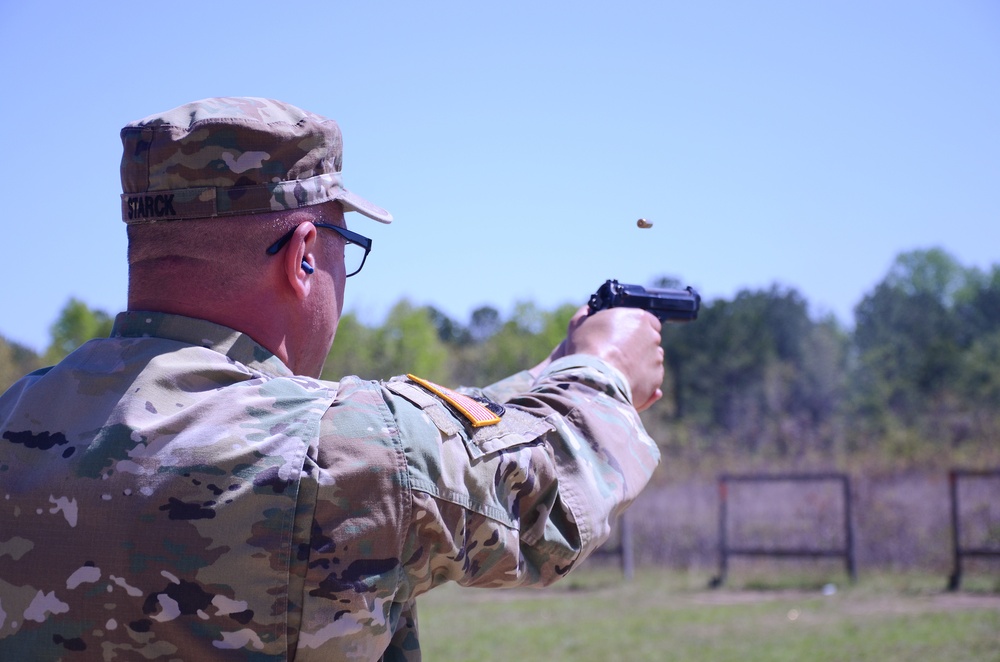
190	489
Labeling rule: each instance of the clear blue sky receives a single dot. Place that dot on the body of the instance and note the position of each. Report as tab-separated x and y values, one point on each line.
799	143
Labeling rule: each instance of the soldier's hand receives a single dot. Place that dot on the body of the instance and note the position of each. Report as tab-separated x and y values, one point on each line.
628	339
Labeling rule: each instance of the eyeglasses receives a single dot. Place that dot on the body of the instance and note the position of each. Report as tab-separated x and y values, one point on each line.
354	258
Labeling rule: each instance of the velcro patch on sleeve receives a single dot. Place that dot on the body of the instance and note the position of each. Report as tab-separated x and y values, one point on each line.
474	411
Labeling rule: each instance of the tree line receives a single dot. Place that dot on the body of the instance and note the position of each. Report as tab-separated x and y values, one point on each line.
755	375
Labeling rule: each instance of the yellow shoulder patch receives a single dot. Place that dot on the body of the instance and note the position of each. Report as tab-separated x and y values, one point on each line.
477	413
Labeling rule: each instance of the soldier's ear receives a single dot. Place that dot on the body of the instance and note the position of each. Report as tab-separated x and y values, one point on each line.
299	260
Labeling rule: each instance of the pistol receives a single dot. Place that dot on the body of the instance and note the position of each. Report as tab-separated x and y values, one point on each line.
667	304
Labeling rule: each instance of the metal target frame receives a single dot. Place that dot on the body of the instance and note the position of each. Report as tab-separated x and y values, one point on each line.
726	551
959	553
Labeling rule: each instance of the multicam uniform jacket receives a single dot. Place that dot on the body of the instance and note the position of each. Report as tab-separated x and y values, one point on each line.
174	492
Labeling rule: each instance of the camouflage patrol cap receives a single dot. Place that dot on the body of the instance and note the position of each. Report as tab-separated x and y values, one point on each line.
233	155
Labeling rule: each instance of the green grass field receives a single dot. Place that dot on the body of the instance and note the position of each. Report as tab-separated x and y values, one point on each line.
662	615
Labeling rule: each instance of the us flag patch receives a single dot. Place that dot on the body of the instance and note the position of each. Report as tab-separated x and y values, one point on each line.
477	413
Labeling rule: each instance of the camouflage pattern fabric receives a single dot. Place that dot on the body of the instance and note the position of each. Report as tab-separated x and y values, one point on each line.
233	156
175	493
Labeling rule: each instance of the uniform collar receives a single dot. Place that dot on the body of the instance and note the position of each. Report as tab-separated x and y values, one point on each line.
232	344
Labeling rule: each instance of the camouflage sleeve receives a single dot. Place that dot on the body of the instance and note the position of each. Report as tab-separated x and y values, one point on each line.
522	502
505	389
524	381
